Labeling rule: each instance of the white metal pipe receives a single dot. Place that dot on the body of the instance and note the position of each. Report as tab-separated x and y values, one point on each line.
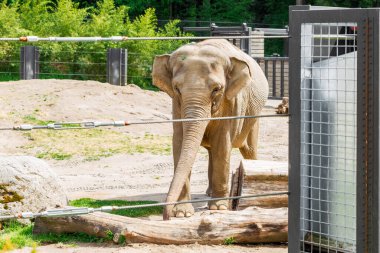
9	39
125	38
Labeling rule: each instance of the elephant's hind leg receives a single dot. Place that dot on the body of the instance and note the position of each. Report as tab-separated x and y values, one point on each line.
249	150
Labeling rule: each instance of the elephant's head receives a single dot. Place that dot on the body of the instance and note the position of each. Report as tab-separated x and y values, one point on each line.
201	78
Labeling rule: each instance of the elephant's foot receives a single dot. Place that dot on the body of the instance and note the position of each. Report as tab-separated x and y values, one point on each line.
218	204
183	210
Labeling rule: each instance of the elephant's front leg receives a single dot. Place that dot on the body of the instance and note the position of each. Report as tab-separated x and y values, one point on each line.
181	210
210	168
220	153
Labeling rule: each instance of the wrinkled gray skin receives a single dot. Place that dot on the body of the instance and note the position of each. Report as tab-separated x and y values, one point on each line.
210	78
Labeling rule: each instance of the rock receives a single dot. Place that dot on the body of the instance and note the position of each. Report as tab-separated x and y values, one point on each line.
28	184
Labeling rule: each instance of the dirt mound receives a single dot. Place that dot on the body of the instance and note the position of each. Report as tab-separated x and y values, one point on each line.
70	100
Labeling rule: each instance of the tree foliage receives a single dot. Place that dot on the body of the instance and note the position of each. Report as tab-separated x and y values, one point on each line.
132	18
66	18
346	3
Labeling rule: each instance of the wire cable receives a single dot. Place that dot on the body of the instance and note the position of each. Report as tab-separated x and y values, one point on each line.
85	210
122	123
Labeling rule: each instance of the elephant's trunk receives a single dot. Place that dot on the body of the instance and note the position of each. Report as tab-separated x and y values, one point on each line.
192	137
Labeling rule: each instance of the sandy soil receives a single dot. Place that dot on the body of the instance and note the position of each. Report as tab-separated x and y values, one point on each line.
121	176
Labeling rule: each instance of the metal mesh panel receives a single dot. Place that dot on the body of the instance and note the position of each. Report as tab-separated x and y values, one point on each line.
328	137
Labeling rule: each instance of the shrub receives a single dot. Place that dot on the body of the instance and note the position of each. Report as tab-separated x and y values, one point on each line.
47	18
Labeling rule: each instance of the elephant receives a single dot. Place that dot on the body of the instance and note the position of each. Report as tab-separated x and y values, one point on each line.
211	78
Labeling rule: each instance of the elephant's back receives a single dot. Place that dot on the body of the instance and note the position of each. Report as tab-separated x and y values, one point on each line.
228	49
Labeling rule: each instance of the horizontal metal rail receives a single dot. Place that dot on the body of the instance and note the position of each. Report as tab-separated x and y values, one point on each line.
86	210
9	39
273	31
125	38
121	123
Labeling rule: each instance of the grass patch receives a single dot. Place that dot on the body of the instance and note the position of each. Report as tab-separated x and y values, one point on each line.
6	77
91	144
229	241
136	212
31	119
16	235
55	156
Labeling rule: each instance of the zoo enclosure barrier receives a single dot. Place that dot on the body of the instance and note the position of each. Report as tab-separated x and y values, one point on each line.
33	62
115	65
276	70
334	130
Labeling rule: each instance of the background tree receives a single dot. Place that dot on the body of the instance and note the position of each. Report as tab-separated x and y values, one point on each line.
46	18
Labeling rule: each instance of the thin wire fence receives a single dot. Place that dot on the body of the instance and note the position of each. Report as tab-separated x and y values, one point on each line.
85	210
92	65
81	60
122	123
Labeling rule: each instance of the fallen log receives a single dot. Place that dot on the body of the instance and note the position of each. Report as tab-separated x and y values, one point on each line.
252	225
256	177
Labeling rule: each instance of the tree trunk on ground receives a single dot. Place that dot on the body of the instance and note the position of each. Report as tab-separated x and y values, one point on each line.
259	177
252	225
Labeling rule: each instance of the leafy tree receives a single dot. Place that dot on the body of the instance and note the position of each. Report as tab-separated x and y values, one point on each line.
144	26
346	3
10	26
66	18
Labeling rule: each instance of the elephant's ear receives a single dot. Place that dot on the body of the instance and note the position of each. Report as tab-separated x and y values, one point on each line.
162	76
239	76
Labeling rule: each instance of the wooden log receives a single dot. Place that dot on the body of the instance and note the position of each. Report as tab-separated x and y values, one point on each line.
253	225
259	177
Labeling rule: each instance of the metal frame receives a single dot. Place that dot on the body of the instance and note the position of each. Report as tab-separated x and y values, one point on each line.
227	31
117	61
29	62
275	93
367	220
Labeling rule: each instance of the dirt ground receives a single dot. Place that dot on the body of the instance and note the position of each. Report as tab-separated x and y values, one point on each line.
144	174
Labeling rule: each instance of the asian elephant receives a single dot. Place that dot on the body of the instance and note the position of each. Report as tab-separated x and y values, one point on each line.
211	78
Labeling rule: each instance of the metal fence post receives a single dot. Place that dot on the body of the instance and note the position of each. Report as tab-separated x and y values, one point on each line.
245	44
29	62
117	66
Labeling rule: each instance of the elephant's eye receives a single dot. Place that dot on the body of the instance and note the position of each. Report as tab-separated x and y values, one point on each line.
215	90
177	90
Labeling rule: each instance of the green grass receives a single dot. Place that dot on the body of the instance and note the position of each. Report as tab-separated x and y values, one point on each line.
9	77
31	119
16	235
136	212
89	144
53	155
229	241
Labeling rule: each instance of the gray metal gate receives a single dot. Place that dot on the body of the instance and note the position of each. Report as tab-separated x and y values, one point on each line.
276	70
334	107
243	30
